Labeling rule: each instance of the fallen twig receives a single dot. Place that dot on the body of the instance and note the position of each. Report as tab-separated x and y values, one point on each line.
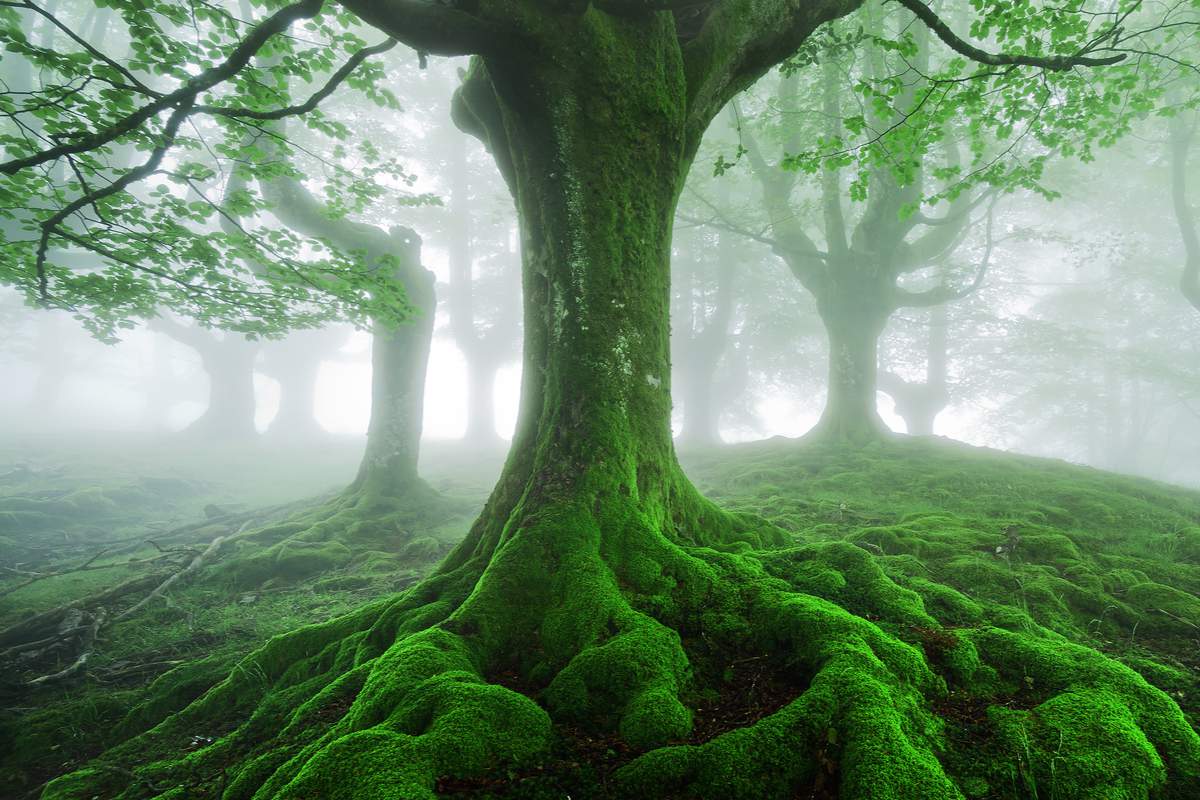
86	647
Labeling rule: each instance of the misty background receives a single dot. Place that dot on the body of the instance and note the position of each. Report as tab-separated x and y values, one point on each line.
1076	343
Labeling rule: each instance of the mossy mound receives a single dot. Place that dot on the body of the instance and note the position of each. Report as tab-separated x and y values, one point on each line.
986	537
590	648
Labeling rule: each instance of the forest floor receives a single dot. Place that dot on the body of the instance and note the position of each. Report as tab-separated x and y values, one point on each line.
83	515
1038	547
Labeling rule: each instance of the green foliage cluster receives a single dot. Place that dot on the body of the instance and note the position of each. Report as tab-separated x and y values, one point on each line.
153	202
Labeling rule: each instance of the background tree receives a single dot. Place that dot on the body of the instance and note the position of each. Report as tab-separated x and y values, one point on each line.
584	569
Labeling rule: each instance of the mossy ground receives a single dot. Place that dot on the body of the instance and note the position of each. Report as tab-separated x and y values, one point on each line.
948	622
311	564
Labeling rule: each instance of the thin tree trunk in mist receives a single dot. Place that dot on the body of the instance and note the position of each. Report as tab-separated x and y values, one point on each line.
1183	133
229	365
920	403
480	355
295	364
702	353
399	364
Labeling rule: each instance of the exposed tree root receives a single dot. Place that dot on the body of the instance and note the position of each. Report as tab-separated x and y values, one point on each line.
606	615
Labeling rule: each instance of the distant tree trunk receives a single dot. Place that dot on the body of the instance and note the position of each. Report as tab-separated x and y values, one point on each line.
476	351
854	317
399	361
295	364
229	365
399	354
481	405
297	398
1183	132
702	352
920	403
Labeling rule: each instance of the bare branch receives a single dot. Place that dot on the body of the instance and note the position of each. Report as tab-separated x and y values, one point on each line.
945	293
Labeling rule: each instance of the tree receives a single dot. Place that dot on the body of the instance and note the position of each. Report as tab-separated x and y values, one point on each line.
855	273
1182	132
920	402
595	558
228	361
701	337
399	353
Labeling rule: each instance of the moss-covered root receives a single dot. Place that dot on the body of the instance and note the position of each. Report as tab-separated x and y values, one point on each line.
862	716
1101	730
423	712
598	615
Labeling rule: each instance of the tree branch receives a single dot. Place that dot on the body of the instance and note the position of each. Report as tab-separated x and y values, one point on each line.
185	96
312	102
944	293
1053	63
442	28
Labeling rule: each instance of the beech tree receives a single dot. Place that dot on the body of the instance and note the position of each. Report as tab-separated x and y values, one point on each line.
228	361
595	558
1183	133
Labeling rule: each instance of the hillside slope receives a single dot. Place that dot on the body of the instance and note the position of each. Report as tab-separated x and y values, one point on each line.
997	626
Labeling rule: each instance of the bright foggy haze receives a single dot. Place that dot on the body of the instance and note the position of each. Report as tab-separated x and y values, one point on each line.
1076	344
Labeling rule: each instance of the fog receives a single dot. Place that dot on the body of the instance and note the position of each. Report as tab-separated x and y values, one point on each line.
726	399
1076	342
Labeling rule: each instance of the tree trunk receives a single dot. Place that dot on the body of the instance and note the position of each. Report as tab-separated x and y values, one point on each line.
229	365
399	360
481	363
700	428
592	142
481	405
295	364
297	397
703	352
854	317
919	404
